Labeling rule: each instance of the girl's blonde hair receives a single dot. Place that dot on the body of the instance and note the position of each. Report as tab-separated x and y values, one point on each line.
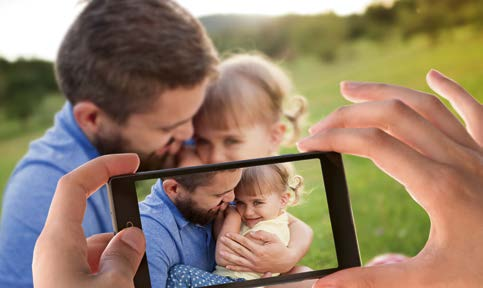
266	179
250	89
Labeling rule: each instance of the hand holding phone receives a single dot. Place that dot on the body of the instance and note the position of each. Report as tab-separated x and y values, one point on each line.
176	207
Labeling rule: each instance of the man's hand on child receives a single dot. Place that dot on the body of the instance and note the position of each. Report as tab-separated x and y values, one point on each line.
256	253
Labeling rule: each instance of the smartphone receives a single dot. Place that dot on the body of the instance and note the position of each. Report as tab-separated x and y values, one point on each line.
309	186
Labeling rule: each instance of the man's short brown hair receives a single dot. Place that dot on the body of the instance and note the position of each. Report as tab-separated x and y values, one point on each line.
121	55
192	181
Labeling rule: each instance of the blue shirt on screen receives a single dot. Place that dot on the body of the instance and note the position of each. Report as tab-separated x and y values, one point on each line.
171	239
29	192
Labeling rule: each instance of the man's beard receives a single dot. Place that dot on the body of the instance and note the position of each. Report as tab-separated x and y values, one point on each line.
115	143
194	214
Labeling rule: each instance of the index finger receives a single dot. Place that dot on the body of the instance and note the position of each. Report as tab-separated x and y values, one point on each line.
467	107
69	202
405	165
249	245
427	105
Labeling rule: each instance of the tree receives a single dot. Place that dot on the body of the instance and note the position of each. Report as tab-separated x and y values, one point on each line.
23	86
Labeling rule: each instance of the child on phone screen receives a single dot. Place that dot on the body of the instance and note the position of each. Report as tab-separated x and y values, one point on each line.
262	196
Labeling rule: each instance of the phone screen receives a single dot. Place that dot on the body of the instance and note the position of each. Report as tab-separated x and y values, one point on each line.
182	217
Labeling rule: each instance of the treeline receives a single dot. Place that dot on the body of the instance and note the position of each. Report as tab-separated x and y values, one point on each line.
23	86
25	83
321	35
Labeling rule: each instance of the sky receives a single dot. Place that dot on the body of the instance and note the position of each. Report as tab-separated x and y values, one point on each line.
34	28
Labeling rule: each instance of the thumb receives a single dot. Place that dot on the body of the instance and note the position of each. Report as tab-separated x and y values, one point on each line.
392	275
267	275
121	259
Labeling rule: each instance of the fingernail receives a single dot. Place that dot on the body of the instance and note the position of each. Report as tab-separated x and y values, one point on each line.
350	85
436	73
134	238
312	129
300	145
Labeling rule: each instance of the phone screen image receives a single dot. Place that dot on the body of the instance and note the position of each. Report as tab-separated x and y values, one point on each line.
187	214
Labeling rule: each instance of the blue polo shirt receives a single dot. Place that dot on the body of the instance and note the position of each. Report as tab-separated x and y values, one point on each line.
171	239
29	192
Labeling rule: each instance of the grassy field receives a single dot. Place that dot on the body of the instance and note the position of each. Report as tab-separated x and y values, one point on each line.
386	218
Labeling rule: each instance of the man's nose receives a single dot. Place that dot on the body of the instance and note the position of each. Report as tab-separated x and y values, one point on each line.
229	197
184	132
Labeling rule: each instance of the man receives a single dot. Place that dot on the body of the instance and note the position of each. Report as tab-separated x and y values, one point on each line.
177	218
134	74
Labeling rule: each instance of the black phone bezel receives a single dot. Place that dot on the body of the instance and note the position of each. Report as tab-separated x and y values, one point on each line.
125	211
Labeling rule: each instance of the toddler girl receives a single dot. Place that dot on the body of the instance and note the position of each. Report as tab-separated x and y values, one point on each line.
242	115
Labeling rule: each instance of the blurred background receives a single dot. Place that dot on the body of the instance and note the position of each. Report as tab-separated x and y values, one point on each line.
318	44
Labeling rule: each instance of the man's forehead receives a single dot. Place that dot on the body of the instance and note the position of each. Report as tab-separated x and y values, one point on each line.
171	107
222	181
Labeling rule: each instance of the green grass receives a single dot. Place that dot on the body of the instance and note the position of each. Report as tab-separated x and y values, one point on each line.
386	217
313	210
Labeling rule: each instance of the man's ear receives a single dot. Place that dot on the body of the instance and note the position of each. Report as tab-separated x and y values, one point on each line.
89	117
171	188
277	133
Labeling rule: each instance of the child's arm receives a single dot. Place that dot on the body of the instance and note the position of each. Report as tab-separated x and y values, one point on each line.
231	224
301	237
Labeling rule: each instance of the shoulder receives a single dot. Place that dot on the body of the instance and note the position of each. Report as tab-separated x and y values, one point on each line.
160	230
64	145
161	250
57	148
32	187
154	212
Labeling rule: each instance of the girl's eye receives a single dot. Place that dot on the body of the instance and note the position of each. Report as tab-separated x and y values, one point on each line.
238	203
256	203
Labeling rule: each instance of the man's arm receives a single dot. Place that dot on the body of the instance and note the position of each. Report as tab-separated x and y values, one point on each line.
161	251
301	237
26	204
